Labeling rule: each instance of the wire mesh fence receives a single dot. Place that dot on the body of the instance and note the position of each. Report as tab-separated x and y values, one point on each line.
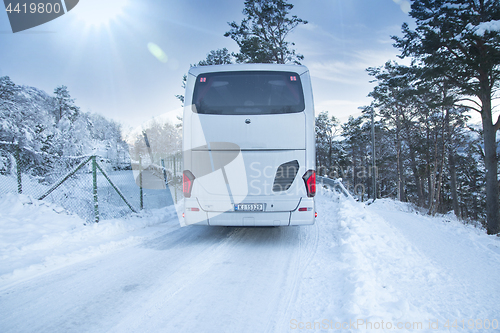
89	186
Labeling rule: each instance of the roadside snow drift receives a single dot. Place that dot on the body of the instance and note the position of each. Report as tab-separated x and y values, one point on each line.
37	235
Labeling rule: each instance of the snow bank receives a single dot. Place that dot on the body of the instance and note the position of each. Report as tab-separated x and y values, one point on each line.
396	265
390	204
455	265
31	185
384	268
37	236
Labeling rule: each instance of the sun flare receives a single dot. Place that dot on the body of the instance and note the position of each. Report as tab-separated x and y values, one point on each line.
96	13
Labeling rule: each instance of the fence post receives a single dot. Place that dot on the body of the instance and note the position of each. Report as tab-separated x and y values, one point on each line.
18	169
141	203
120	194
94	189
164	172
175	177
165	175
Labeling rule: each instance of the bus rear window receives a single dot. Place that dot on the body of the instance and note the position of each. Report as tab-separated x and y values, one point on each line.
248	93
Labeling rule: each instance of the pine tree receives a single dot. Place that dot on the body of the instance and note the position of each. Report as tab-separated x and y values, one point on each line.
217	57
64	105
393	99
262	35
327	150
7	108
357	140
7	91
460	40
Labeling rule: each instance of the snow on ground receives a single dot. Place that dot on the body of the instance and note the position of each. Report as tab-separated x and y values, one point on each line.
378	268
465	261
37	235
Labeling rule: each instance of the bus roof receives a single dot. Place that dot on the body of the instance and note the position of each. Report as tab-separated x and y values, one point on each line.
299	69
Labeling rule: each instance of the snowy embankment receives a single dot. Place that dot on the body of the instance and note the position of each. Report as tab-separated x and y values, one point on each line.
401	267
383	267
37	236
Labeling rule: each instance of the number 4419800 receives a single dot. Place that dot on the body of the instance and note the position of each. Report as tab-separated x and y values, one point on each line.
33	8
471	324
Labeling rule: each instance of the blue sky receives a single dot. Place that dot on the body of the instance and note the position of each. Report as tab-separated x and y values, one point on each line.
109	69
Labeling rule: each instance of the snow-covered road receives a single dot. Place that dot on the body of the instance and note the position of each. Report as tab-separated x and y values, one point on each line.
359	268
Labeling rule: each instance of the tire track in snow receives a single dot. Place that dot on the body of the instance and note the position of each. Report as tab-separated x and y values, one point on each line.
308	246
95	286
244	276
175	283
322	289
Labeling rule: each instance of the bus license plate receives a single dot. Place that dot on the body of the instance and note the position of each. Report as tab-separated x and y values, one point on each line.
249	207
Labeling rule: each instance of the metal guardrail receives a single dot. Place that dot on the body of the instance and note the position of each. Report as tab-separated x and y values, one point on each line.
335	184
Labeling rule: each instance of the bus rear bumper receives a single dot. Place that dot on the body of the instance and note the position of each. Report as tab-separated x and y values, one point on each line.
303	214
270	219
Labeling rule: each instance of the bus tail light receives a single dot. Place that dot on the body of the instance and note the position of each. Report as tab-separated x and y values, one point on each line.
187	183
310	181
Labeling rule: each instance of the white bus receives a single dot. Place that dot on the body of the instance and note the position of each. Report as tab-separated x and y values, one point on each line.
249	146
